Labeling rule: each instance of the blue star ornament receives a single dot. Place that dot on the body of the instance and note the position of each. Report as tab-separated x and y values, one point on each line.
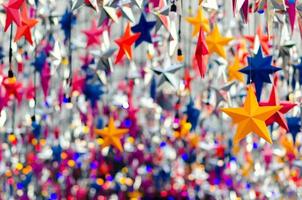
294	126
193	114
258	70
36	129
144	27
40	61
67	21
93	92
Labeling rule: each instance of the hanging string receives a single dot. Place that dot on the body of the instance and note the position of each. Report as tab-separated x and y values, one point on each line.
180	56
35	76
10	49
251	60
11	74
189	41
70	54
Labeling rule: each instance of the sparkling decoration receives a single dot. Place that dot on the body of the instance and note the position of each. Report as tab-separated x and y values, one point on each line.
150	99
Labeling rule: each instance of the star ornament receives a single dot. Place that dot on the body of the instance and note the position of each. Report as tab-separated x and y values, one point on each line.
12	88
12	13
216	42
67	22
193	114
278	117
167	74
107	12
199	21
200	53
93	34
112	135
233	71
125	43
89	3
263	39
162	17
26	24
57	54
294	126
144	27
183	130
251	117
258	70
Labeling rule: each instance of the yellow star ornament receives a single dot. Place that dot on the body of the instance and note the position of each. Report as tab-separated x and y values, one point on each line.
233	71
199	21
216	42
251	117
112	135
184	129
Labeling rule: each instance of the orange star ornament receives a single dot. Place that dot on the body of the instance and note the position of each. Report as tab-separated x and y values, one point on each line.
112	135
251	117
233	71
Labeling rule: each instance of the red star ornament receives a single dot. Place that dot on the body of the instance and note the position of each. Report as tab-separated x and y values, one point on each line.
12	88
125	42
263	39
278	117
200	52
12	13
25	27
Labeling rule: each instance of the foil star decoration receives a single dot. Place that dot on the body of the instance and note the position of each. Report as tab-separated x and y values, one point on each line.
221	92
125	43
112	135
125	8
162	16
12	10
104	59
258	70
251	117
57	54
138	3
107	12
24	30
199	21
89	3
216	42
167	73
144	27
